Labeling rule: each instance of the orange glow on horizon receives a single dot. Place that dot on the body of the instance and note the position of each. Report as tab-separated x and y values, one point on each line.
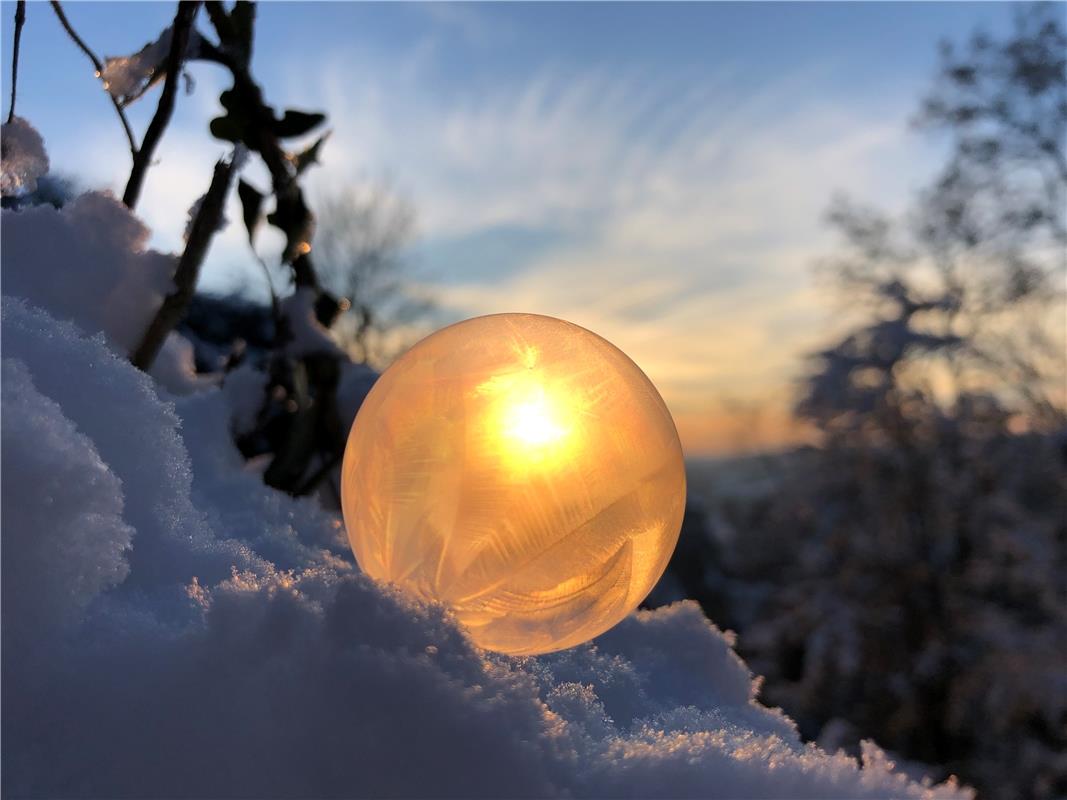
768	426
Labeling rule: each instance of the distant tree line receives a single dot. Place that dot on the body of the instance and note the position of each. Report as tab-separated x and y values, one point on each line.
906	579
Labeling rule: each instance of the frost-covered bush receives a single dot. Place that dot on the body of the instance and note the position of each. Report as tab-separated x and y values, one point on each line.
907	579
914	588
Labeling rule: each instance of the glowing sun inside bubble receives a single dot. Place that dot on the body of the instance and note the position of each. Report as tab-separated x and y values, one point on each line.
533	422
521	470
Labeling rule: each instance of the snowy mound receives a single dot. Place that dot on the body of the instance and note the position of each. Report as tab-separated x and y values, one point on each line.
87	262
174	628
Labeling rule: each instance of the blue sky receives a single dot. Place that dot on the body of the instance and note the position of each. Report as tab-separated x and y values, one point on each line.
655	172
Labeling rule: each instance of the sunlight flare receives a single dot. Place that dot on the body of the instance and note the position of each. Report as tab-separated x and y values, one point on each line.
521	470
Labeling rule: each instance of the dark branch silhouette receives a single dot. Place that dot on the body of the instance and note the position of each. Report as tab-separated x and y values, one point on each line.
202	231
179	41
20	19
99	67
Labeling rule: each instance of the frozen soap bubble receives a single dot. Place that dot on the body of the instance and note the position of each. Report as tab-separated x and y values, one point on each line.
523	471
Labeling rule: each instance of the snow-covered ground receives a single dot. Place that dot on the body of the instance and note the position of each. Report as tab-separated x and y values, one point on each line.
172	627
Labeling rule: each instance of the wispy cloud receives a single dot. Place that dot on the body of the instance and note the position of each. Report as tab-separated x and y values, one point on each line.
686	217
676	215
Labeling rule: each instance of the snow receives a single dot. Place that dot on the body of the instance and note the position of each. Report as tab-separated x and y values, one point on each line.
245	388
23	159
64	535
296	675
175	367
88	263
136	436
308	335
173	627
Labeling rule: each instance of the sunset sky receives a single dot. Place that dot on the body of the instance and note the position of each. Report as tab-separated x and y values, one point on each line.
656	173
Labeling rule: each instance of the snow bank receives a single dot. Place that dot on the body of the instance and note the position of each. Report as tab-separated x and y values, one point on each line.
195	633
23	158
65	540
175	367
87	263
136	436
245	388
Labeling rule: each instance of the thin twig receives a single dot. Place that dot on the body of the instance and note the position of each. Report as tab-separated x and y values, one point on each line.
179	39
97	64
20	18
264	142
99	67
275	308
202	231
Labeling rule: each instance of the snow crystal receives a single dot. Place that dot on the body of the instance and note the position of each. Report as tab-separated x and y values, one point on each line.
302	677
87	263
23	158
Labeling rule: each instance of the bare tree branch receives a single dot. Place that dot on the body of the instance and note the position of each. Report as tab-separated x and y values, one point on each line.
20	19
219	18
283	179
179	40
99	67
205	224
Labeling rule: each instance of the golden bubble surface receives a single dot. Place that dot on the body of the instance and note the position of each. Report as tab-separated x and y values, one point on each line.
521	470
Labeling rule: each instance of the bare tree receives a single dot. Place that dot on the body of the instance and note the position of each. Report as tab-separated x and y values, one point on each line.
973	277
361	243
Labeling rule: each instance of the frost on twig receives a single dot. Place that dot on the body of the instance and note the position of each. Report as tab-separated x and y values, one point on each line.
127	78
23	158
